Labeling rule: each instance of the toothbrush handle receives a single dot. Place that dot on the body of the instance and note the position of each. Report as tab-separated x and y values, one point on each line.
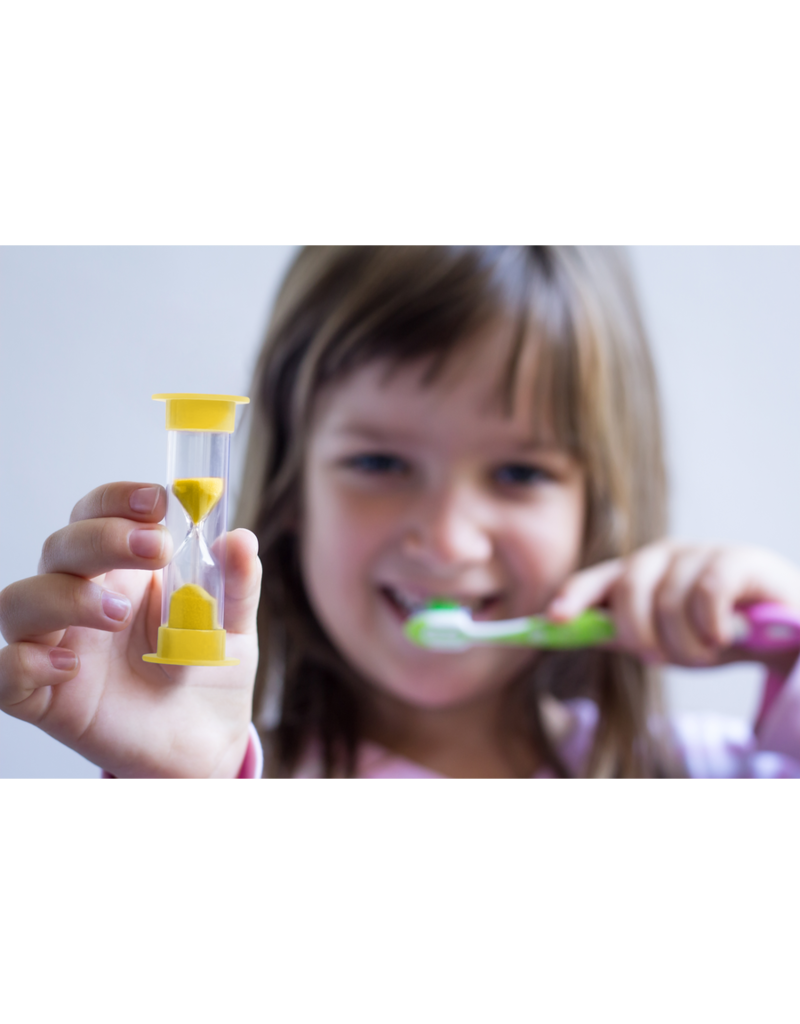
768	627
761	627
585	630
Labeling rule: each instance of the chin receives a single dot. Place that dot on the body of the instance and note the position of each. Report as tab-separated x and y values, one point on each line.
435	695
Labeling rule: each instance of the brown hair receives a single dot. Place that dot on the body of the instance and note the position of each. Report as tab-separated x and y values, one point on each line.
342	307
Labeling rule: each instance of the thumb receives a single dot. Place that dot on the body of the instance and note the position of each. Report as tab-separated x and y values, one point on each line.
242	582
584	589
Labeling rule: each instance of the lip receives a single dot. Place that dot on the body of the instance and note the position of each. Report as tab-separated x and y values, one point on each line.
482	606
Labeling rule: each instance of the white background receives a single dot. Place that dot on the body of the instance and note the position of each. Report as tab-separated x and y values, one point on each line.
90	333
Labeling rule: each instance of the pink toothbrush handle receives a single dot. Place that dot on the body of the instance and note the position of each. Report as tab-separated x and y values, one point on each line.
767	627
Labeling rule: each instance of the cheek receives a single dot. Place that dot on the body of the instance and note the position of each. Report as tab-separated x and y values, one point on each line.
341	538
546	547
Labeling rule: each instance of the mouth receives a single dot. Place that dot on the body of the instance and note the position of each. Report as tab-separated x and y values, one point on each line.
405	603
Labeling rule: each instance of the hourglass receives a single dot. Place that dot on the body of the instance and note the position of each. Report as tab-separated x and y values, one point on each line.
193	584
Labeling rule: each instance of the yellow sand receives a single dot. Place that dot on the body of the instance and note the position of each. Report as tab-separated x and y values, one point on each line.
198	495
191	607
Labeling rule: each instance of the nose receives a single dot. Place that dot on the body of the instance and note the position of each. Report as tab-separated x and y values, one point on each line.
450	529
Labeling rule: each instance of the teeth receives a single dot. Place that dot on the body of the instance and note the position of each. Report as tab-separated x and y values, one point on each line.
412	603
406	601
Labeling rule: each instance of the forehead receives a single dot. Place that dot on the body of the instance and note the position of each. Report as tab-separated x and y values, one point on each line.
466	396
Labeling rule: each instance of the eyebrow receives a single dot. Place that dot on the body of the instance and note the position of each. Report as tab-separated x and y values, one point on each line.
377	435
370	433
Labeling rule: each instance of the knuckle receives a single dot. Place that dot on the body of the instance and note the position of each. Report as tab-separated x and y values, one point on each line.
105	500
77	510
21	669
708	586
639	558
626	586
83	508
101	537
721	566
643	565
12	666
22	660
49	550
77	599
668	600
6	603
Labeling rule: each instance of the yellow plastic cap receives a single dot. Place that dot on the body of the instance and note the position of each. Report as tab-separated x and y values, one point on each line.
190	647
215	413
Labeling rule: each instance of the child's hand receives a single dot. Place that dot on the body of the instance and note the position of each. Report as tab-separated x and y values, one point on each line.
98	598
673	603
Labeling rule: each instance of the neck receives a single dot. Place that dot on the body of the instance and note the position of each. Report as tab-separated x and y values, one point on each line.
479	739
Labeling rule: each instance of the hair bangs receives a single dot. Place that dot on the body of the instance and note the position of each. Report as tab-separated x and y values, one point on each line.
419	304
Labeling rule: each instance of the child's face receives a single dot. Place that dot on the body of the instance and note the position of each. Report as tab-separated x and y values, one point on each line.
415	492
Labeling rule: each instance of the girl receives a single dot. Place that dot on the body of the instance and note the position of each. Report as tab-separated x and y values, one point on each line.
479	424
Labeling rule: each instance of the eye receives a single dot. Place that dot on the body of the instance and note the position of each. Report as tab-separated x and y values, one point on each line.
518	474
377	464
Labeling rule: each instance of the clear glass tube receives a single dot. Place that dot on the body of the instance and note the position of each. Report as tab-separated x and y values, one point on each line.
193	594
199	429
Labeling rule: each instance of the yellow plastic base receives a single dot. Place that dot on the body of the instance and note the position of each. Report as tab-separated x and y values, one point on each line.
190	647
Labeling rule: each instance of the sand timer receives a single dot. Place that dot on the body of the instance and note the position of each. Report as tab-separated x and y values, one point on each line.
193	585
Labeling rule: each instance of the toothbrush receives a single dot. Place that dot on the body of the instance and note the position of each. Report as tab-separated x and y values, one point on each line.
447	626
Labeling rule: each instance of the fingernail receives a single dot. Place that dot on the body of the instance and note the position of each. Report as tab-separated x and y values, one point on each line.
146	543
116	606
144	499
64	661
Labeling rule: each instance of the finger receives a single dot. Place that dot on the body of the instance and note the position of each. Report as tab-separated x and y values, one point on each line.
716	589
740	576
144	503
242	581
584	589
631	601
682	641
25	668
38	607
92	547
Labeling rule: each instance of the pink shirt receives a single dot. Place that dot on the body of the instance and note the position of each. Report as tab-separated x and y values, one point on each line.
711	745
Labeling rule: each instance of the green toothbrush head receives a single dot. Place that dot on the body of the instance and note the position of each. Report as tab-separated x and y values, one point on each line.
442	626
